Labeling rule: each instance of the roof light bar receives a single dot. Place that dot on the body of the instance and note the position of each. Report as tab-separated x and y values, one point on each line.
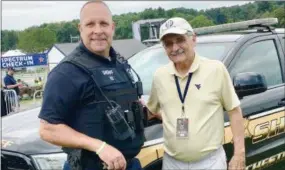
235	26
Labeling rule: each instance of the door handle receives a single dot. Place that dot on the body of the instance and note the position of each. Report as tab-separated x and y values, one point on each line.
282	102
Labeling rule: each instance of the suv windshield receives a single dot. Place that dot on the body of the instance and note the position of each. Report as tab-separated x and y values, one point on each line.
147	61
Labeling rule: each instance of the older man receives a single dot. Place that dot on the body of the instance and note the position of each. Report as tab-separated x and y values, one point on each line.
192	91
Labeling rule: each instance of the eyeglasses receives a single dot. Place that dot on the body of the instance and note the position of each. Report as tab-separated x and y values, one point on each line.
179	41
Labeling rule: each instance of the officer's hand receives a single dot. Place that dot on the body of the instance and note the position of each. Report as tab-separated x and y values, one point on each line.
113	158
142	102
150	115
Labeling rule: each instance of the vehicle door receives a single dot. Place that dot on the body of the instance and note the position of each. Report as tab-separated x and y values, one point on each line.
264	113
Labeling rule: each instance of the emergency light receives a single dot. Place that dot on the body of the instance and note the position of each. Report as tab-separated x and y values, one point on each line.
236	26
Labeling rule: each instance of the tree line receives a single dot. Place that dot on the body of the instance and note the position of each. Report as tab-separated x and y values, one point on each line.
40	38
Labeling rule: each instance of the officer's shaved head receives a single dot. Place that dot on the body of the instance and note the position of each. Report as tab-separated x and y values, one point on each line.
94	2
96	27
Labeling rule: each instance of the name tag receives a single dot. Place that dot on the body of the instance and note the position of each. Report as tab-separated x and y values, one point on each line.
110	78
182	128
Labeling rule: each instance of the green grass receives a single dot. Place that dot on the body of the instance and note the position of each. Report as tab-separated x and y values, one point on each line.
30	104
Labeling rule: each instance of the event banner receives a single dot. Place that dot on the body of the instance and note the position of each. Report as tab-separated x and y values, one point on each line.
28	60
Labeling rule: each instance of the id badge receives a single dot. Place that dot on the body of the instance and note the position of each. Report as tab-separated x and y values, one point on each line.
182	128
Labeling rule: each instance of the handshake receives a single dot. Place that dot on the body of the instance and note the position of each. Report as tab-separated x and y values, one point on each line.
153	118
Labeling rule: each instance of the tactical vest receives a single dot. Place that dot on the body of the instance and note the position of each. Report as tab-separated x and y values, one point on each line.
117	85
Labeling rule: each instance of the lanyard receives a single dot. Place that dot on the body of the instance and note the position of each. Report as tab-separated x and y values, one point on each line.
182	98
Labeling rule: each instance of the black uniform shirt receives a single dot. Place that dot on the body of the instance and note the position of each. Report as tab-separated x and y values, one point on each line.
66	89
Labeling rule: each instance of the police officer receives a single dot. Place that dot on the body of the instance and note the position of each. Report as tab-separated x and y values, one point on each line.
90	104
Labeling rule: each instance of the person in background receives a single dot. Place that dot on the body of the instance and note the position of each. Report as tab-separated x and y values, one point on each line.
10	82
40	82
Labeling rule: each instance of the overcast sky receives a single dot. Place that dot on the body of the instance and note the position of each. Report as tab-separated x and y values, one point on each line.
18	15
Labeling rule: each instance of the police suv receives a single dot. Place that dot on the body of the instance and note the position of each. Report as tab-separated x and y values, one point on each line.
254	54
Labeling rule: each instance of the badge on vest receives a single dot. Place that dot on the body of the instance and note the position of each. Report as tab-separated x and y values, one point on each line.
109	73
182	128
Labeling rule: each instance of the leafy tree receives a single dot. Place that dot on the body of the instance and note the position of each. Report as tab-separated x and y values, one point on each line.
217	15
67	29
29	38
34	40
264	6
187	11
161	12
201	21
180	14
8	40
124	25
170	13
63	30
250	11
148	13
280	14
266	15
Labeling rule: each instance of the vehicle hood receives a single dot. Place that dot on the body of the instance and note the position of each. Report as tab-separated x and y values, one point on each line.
20	133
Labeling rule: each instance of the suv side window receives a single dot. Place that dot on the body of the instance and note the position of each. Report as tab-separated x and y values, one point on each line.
260	57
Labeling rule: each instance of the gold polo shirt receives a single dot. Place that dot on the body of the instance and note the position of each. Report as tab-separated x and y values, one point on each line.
210	91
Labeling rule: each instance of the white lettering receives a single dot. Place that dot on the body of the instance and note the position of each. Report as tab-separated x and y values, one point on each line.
107	72
257	165
267	161
248	167
264	162
29	63
6	59
20	61
18	64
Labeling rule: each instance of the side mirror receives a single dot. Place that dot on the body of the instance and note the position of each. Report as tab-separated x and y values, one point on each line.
249	83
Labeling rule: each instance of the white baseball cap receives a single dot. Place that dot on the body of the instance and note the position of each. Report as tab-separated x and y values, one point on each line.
175	25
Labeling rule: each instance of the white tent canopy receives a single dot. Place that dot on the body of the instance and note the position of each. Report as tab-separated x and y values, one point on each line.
13	53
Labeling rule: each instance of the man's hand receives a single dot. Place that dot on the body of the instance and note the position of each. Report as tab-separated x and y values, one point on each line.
113	158
63	135
20	85
142	102
237	162
149	114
